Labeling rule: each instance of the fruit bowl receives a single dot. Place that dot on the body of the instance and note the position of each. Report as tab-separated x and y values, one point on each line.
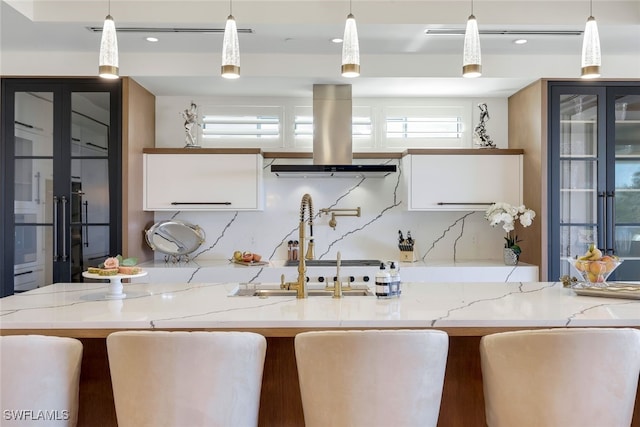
596	272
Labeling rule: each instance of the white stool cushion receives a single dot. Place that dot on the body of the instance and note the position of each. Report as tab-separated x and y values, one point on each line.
39	380
575	377
186	378
371	378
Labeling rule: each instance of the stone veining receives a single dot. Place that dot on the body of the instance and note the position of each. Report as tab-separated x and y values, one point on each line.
497	298
224	230
444	233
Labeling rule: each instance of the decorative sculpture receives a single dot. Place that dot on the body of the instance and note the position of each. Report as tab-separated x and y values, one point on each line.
190	116
480	136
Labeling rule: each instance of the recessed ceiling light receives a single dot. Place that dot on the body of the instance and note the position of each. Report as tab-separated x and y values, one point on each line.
520	41
152	39
336	40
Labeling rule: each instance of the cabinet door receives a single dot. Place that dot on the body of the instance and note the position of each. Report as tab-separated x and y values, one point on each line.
203	182
463	182
623	176
62	193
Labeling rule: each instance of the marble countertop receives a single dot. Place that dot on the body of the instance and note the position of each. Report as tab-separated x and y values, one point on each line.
80	309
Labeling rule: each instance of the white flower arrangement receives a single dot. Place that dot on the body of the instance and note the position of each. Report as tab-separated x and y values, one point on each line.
507	215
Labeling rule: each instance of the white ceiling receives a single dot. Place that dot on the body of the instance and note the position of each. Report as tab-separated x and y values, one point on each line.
290	50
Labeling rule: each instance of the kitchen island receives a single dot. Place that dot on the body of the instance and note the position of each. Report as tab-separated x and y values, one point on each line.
466	311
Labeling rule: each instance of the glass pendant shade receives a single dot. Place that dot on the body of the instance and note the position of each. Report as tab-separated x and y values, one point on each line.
472	58
108	65
230	50
350	49
591	58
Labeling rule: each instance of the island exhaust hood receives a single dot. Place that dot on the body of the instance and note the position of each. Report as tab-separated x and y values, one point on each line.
332	139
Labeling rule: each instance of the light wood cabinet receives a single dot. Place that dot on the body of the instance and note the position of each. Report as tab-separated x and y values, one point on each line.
462	182
203	182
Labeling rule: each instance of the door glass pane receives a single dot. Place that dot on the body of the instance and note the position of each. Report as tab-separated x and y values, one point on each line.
33	186
90	191
90	124
32	178
627	125
34	122
33	254
578	125
578	201
95	245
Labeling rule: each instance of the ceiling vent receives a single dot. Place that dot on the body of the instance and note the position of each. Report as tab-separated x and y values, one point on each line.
146	30
460	32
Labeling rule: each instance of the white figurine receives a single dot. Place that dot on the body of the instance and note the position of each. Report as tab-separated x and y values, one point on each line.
190	116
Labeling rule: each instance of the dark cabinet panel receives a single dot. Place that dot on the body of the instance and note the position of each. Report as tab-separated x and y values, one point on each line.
61	180
594	174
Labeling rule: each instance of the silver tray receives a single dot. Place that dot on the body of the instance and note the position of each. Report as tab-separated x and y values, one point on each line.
611	290
174	237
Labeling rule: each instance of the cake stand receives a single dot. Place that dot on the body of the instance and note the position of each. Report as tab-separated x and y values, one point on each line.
114	291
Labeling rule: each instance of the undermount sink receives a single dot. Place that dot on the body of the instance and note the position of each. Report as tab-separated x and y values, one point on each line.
264	293
333	262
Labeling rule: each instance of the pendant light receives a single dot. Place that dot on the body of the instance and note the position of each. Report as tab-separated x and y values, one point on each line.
230	48
350	48
472	60
108	63
591	59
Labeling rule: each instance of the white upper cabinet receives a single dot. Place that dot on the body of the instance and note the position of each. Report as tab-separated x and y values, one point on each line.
203	182
462	182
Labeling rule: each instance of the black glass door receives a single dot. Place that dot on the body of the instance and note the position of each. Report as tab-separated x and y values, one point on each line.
61	158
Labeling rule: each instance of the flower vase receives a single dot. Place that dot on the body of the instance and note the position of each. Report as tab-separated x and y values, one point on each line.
510	256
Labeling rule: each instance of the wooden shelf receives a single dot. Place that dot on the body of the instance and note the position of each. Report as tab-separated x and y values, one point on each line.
464	151
202	151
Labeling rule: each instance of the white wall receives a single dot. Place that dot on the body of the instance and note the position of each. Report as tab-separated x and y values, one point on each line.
440	236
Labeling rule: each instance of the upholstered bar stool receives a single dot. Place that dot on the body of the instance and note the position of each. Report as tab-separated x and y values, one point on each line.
191	379
39	380
574	377
371	378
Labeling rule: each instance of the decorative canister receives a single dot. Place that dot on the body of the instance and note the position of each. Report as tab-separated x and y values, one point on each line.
510	256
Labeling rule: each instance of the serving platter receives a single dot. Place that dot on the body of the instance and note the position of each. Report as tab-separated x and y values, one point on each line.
611	290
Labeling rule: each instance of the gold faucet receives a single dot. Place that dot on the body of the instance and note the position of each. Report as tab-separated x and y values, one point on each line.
301	285
347	212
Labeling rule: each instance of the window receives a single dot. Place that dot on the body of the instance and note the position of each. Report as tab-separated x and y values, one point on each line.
242	124
424	126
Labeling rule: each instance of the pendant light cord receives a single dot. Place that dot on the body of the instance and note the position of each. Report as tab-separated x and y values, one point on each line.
109	8
231	7
590	7
349	7
472	7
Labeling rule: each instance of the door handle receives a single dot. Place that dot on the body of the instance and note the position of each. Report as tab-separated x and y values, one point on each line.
64	228
37	177
55	228
602	216
86	221
611	224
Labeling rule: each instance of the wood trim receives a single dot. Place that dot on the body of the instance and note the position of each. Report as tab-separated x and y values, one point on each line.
150	150
477	331
309	155
138	132
463	151
528	130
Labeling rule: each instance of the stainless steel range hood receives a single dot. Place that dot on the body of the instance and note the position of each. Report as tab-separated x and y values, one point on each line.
332	139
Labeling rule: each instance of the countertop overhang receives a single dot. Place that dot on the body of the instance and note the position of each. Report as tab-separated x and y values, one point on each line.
463	309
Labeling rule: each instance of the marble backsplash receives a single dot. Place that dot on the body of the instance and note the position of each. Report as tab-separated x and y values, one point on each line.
439	236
